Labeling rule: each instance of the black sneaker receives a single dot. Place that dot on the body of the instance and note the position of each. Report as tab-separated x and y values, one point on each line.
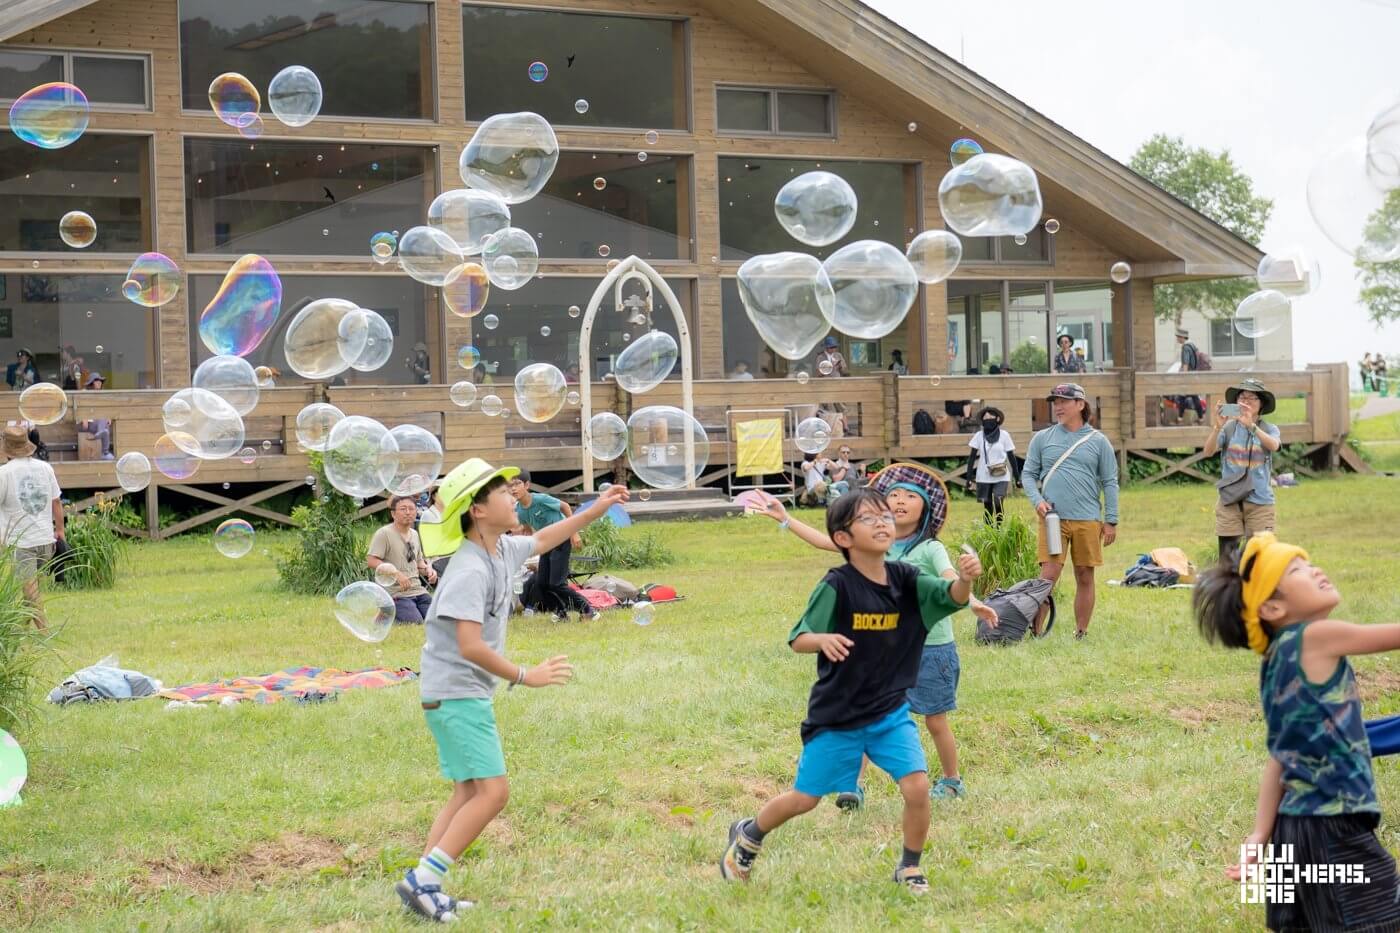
1079	634
850	800
739	856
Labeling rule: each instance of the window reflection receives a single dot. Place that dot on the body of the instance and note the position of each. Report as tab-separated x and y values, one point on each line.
106	176
84	318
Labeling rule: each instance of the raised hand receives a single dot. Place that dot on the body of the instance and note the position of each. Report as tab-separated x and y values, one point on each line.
552	673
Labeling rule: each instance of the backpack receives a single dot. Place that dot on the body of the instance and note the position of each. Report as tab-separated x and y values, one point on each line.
923	422
1147	573
1203	362
1016	609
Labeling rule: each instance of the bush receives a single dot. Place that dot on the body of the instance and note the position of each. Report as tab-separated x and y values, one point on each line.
618	551
18	643
1007	551
95	549
330	549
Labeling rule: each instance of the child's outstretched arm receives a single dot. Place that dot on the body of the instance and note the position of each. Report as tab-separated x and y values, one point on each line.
979	609
776	511
1327	640
551	536
556	671
1270	793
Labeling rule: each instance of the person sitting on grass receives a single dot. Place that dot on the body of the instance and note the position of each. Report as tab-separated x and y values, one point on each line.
866	621
462	661
1317	794
398	545
919	502
549	589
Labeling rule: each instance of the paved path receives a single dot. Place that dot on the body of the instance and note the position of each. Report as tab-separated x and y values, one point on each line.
1376	406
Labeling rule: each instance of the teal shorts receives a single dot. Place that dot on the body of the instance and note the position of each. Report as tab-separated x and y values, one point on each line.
469	747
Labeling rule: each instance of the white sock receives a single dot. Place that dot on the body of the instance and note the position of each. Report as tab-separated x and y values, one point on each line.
433	867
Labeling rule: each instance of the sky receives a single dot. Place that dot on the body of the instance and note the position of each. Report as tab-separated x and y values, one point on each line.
1278	84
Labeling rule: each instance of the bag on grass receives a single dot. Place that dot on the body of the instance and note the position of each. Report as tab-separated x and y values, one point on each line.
1146	573
618	588
1016	608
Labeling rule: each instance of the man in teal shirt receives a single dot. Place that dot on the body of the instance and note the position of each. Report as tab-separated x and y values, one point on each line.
1087	473
549	589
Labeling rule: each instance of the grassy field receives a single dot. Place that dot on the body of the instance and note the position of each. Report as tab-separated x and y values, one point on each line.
1111	780
1380	437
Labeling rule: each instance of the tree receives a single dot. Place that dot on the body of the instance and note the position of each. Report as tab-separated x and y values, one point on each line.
1211	183
1380	281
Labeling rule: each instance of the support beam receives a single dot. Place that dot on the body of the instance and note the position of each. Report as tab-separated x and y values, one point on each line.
229	506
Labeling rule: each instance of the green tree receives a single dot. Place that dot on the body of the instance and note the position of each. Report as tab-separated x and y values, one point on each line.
1380	281
1213	184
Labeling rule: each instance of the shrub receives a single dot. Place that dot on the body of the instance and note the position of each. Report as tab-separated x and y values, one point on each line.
95	549
18	648
330	550
1007	551
624	551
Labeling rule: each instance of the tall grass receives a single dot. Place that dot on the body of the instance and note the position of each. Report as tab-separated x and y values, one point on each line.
1007	551
619	550
96	551
18	647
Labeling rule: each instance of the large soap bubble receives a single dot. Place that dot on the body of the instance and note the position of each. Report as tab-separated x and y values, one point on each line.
874	285
656	447
234	100
1356	206
411	461
646	361
466	294
359	452
606	436
366	609
294	95
314	344
171	457
817	208
314	424
539	392
812	436
152	280
232	379
990	195
934	254
429	255
1293	272
1262	313
50	116
244	310
214	430
379	339
510	155
1383	143
234	538
175	412
77	229
511	258
133	471
469	216
789	300
43	403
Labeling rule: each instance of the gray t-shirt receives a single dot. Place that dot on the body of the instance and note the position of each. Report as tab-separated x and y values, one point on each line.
476	587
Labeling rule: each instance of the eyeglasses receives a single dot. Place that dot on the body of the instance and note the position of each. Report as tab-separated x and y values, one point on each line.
870	521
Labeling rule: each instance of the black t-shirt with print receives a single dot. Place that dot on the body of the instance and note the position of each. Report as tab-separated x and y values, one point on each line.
888	624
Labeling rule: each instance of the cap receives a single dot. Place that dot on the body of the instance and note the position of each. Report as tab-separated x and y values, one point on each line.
95	377
1069	390
457	492
830	341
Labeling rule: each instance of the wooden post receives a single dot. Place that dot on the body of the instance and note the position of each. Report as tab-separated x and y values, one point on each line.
153	511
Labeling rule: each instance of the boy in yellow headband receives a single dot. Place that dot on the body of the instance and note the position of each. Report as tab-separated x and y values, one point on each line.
1317	793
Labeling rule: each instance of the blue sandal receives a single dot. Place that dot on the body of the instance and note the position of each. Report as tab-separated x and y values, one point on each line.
947	788
427	900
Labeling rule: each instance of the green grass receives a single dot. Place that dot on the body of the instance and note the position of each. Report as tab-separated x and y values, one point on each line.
1381	428
1111	779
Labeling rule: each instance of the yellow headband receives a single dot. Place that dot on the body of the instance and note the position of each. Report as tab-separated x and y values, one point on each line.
1270	558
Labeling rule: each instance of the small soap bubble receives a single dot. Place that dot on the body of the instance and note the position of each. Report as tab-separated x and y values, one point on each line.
234	99
544	330
386	574
1052	226
248	456
490	322
651	137
644	495
382	247
468	357
643	612
913	127
77	229
1120	272
253	129
580	106
575	310
537	71
133	471
467	293
176	412
366	610
812	436
935	380
310	480
825	367
98	348
462	393
491	405
641	156
802	377
599	183
1019	239
266	446
152	280
50	116
963	149
43	403
571	399
816	208
294	95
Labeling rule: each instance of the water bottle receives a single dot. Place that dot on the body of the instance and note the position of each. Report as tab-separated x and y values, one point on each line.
1052	533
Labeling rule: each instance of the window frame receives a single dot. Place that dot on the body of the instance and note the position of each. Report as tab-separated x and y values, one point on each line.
67	54
1235	337
998	262
774	122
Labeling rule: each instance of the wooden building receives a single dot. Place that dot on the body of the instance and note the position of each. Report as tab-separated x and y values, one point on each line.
696	112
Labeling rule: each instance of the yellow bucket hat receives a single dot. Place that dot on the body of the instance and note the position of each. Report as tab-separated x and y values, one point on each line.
457	492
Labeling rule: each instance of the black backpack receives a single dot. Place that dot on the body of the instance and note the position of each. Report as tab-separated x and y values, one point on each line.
1146	573
1016	609
923	422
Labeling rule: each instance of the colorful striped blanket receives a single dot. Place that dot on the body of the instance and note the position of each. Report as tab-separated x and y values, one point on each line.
297	682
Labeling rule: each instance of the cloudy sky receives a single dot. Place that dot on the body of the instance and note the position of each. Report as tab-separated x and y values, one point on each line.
1278	84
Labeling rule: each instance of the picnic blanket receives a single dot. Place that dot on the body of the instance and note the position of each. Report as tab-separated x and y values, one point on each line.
296	682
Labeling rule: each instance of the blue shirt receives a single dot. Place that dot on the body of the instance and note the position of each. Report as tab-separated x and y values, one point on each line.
542	511
1075	488
1242	451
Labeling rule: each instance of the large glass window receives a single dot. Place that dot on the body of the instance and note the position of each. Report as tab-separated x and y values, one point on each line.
374	58
975	308
1028	323
630	69
301	198
1082	310
400	300
106	176
21	70
747	186
641	208
65	317
108	80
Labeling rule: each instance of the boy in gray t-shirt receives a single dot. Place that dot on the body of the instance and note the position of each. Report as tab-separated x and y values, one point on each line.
463	660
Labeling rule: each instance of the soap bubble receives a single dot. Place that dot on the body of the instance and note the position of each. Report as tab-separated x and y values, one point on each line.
468	357
233	99
466	294
545	331
1354	204
651	137
661	429
77	229
315	423
963	149
1262	313
382	247
358	450
266	446
244	310
606	436
152	280
580	106
366	609
175	412
511	258
462	393
386	574
825	367
599	183
645	363
315	345
816	208
50	116
874	285
934	254
1292	272
537	71
1052	226
43	403
294	95
429	255
411	459
491	405
571	399
490	322
643	612
264	376
789	301
233	538
913	127
604	250
539	392
575	310
231	378
171	458
469	216
641	157
253	129
644	495
990	195
133	471
214	430
802	377
1019	239
511	155
812	436
1120	272
379	339
248	456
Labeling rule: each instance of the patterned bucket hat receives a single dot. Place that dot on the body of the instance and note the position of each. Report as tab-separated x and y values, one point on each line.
922	478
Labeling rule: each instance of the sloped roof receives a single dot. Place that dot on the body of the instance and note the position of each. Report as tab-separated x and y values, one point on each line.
17	16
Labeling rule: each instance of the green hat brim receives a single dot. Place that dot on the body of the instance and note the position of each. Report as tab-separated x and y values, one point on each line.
445	537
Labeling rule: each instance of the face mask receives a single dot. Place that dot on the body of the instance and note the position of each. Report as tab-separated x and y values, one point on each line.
989	425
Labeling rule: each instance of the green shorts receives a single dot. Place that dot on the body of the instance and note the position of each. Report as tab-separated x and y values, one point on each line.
469	746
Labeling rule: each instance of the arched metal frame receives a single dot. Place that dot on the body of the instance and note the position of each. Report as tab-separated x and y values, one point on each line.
632	268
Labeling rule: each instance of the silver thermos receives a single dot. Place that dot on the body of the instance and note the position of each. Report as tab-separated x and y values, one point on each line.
1052	533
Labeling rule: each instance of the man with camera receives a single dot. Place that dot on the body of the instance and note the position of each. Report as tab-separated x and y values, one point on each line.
1245	503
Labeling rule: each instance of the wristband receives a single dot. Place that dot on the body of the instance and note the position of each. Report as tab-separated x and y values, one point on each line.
782	525
519	677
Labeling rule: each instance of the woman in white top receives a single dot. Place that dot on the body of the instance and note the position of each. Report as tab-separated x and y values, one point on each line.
993	454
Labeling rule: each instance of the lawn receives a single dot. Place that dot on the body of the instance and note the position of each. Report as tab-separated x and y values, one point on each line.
1111	780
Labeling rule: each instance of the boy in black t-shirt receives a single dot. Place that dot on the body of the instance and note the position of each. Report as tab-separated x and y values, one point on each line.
866	622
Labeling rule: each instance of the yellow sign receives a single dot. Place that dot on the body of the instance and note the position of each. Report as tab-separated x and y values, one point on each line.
760	446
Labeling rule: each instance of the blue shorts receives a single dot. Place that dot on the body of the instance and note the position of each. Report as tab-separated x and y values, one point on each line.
830	762
936	690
